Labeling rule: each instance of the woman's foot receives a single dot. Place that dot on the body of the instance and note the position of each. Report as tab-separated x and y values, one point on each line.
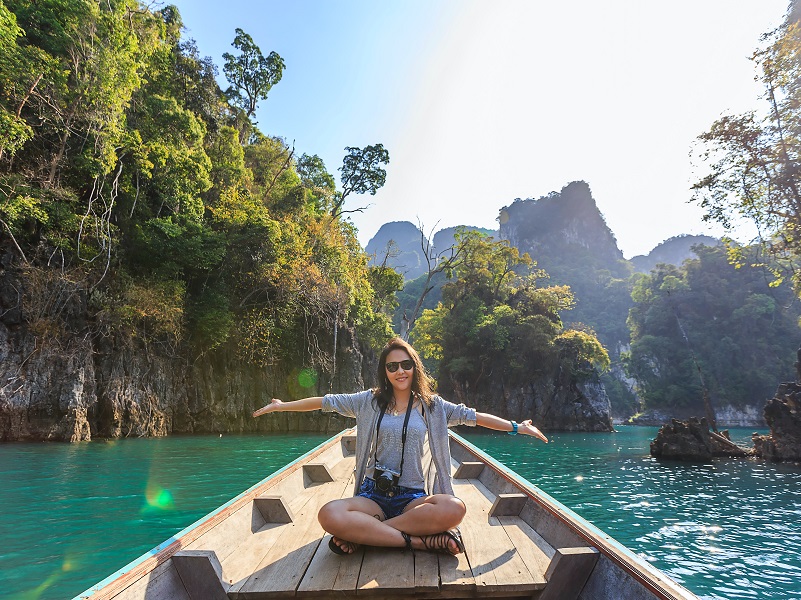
447	542
340	546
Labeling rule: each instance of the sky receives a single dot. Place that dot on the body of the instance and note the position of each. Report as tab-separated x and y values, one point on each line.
481	102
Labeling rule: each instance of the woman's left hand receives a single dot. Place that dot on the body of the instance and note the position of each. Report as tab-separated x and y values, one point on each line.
527	428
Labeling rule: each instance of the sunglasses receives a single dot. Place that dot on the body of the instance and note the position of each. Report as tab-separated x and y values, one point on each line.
406	365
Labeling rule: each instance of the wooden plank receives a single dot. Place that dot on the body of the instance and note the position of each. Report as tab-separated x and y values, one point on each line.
495	562
344	469
329	571
162	583
468	470
386	571
228	535
252	549
568	573
201	573
508	505
456	577
281	570
533	549
426	572
239	566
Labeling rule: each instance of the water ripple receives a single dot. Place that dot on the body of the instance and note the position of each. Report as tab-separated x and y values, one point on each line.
725	530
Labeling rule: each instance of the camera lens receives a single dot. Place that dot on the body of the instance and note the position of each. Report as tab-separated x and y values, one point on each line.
384	482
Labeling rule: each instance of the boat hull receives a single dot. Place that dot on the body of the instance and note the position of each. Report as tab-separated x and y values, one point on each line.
267	543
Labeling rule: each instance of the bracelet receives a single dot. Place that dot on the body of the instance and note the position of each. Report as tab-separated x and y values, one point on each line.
514	428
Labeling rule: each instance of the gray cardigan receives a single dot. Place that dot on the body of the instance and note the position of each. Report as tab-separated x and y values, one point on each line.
439	415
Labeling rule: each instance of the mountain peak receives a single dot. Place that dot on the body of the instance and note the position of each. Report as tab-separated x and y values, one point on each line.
569	217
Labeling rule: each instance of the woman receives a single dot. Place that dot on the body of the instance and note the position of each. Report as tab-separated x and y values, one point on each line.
390	506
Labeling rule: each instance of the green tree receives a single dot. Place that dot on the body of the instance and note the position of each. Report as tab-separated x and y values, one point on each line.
14	81
250	74
361	173
95	56
318	182
495	326
213	237
274	179
709	327
754	159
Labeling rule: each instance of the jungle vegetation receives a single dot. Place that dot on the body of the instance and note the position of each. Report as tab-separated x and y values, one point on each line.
497	323
711	328
129	176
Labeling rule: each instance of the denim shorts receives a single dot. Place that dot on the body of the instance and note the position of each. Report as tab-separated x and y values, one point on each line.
391	505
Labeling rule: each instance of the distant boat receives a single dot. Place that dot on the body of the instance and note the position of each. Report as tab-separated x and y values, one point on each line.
267	543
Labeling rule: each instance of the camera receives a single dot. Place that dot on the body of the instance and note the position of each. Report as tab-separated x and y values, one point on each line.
385	479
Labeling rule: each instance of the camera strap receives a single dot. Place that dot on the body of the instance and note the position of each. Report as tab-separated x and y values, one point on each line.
403	434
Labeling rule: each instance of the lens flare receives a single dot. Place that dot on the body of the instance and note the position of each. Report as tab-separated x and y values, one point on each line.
307	378
70	564
157	497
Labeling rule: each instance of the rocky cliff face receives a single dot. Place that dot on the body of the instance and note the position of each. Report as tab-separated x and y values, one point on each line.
561	222
399	244
783	415
552	405
62	379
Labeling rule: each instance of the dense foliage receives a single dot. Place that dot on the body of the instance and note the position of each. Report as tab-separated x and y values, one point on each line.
128	175
708	323
495	325
753	160
127	168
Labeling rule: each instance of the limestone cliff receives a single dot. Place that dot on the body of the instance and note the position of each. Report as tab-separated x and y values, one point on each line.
555	404
63	377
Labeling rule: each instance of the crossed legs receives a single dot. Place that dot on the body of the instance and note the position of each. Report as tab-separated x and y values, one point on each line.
361	521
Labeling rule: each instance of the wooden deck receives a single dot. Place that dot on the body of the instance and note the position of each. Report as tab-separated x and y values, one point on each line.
289	556
267	543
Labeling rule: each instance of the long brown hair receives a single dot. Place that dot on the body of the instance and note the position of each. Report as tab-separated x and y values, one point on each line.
421	382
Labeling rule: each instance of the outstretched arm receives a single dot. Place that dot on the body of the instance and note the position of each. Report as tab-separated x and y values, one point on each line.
492	422
276	405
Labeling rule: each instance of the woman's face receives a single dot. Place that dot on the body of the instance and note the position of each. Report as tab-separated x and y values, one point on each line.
401	379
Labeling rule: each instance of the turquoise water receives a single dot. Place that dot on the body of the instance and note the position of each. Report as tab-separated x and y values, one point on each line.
728	530
73	514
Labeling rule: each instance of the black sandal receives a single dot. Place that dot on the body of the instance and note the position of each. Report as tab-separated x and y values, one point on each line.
408	539
438	542
337	549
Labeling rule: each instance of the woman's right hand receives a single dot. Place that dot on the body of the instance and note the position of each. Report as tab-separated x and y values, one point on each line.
273	406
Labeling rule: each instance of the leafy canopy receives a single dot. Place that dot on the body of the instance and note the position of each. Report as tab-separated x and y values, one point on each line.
250	73
495	326
753	160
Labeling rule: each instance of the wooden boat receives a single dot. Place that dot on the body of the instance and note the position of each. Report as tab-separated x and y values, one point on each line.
267	543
